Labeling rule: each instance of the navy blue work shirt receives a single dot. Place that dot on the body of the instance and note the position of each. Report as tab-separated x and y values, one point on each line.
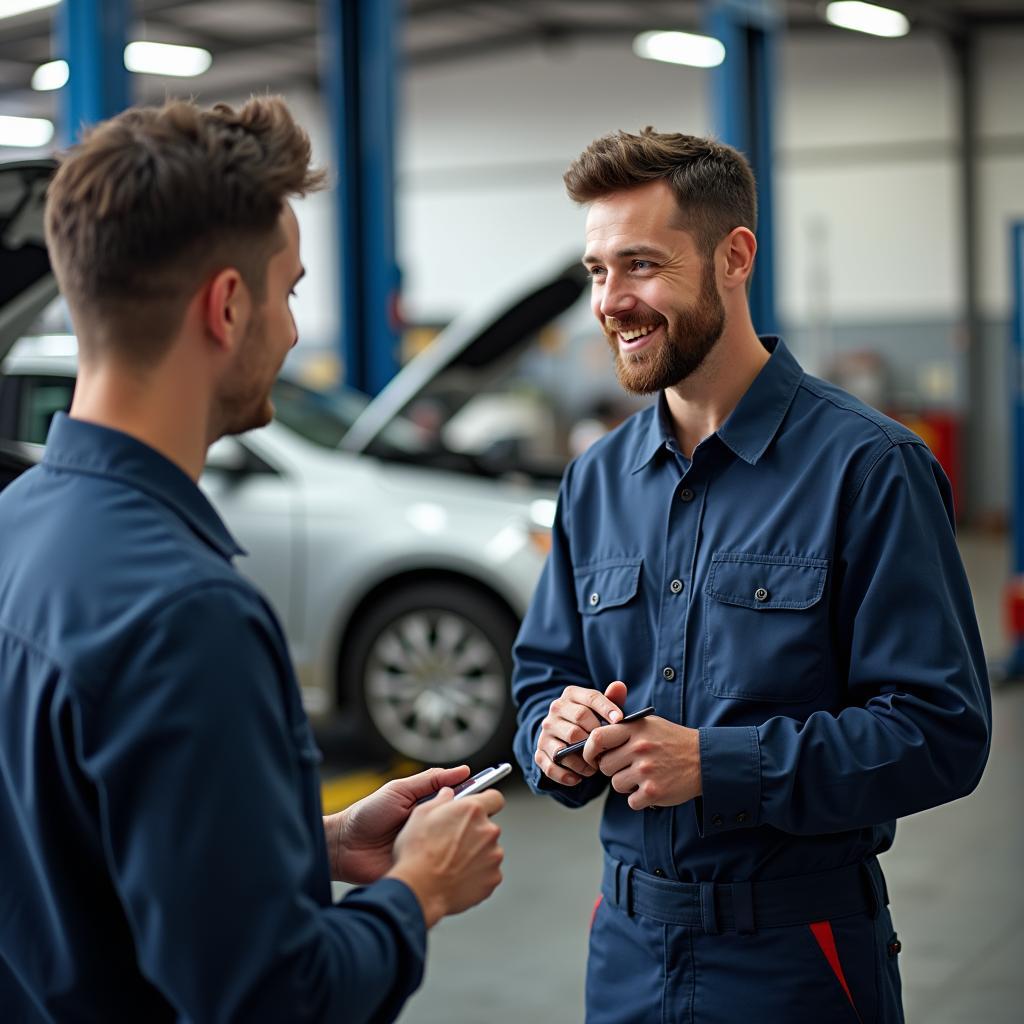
163	852
795	593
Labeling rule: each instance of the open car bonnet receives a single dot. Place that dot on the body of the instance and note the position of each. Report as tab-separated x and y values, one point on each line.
470	346
27	284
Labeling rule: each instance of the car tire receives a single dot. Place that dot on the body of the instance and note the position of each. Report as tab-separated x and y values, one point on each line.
429	670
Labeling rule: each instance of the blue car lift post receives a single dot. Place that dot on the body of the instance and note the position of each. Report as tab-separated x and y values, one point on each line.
359	72
91	37
743	87
1014	668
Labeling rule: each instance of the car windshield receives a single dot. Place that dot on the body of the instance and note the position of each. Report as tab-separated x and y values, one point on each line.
324	417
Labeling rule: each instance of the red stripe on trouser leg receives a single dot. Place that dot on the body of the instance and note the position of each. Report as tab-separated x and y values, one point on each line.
822	931
593	913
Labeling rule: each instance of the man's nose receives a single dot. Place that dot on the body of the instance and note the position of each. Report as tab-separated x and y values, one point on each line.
616	297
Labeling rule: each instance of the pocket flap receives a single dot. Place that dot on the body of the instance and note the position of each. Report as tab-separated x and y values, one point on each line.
763	582
606	584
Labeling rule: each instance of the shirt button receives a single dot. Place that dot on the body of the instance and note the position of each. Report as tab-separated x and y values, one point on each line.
686	494
741	817
675	586
658	873
760	594
594	598
669	673
717	821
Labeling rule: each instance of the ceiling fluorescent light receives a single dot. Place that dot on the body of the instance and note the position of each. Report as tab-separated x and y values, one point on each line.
165	59
31	132
52	75
12	8
870	18
680	48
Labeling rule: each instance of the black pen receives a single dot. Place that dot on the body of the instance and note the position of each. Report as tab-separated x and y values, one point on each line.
575	748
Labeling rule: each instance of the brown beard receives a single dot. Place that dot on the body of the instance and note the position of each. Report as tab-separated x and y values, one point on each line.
693	333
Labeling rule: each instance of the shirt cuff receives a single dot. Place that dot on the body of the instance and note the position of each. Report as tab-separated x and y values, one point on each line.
730	768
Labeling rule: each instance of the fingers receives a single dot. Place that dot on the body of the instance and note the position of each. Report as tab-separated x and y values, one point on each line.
491	800
601	740
642	796
572	771
616	693
428	782
593	701
571	718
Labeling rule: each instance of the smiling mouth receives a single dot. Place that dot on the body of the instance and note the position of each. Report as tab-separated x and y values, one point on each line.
635	337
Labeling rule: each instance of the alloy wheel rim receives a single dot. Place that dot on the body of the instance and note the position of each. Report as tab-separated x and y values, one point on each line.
435	686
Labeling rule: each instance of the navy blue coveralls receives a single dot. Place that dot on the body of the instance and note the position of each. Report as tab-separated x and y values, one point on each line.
161	840
794	592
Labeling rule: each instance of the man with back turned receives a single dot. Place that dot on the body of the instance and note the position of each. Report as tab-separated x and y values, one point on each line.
164	854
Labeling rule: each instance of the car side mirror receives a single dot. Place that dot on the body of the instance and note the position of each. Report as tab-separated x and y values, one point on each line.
229	457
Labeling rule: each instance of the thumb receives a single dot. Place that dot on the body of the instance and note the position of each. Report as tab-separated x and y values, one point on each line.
616	692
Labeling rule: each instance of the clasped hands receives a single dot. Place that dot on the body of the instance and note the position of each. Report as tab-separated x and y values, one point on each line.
652	761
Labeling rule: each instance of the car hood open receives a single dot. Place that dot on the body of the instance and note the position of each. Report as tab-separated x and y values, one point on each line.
27	283
472	341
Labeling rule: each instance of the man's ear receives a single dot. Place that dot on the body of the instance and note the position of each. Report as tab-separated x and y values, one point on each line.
736	255
226	307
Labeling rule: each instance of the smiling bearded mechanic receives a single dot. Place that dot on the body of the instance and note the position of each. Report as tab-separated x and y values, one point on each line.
772	565
164	855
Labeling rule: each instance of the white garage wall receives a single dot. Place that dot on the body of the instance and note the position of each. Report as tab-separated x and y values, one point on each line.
483	148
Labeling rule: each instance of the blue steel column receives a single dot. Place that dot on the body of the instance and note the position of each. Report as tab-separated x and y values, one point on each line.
742	115
1015	590
91	37
359	73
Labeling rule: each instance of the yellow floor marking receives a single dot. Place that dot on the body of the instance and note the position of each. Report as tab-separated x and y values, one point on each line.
338	793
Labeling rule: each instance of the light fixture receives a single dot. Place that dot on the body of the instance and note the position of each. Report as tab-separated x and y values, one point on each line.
51	75
870	18
31	132
12	8
166	59
680	48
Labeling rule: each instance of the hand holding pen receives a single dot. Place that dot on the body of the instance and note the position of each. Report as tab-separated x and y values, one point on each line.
576	748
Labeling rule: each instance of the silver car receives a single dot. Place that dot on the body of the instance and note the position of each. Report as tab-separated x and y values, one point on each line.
399	567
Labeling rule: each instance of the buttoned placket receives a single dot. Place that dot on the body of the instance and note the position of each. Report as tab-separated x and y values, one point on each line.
685	488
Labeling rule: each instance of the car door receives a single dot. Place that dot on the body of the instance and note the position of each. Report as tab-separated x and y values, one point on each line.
259	504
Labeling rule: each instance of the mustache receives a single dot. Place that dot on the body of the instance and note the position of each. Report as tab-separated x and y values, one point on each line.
614	324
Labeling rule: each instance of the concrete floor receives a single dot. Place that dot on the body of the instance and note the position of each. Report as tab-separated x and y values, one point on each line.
957	898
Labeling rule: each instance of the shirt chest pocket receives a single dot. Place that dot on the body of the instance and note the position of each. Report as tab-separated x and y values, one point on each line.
614	628
766	627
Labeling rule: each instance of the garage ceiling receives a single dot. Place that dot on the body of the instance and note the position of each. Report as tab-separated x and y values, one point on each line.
272	44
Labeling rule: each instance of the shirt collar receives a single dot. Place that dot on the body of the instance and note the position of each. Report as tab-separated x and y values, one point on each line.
83	447
752	425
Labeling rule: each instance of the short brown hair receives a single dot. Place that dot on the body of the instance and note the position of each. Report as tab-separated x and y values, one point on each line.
712	182
154	200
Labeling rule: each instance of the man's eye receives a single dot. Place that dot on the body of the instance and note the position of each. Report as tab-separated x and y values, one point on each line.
642	264
595	271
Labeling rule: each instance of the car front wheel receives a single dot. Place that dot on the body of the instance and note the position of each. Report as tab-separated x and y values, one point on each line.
431	665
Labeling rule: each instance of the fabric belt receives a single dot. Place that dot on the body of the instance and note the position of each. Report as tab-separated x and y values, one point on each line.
746	907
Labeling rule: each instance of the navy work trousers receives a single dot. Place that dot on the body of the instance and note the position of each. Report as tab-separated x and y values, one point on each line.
840	971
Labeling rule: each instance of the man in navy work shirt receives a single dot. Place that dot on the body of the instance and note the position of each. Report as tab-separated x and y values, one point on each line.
163	851
771	564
